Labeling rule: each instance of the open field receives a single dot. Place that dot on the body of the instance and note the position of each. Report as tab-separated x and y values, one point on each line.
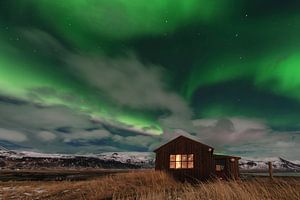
151	185
57	174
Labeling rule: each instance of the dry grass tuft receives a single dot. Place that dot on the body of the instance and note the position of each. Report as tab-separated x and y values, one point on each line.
150	185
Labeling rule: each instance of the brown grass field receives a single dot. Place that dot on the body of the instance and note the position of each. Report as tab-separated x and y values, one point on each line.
152	185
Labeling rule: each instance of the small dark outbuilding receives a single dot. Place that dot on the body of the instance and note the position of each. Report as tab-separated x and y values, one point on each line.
186	158
226	167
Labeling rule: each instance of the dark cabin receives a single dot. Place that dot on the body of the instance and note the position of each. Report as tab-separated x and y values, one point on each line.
188	159
226	167
185	158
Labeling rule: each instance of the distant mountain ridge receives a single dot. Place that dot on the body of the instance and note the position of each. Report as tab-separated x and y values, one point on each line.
262	164
31	160
110	160
6	152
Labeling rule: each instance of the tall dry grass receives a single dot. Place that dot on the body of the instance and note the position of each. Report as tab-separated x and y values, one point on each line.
152	185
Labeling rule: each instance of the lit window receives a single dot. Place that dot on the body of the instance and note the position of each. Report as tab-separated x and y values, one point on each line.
172	157
190	157
172	165
219	168
178	165
182	161
184	165
220	165
191	165
184	158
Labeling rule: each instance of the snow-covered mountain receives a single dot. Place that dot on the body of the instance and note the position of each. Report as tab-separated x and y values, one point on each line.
27	159
137	158
262	164
7	153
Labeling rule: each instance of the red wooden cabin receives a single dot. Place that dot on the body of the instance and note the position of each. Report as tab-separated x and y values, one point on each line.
188	159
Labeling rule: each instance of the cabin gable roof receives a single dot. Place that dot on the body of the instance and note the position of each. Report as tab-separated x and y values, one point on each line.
193	139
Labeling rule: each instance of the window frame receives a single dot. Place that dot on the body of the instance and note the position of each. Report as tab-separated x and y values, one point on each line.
220	168
181	161
220	165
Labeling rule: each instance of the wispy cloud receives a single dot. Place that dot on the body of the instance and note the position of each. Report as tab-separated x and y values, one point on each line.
129	82
12	136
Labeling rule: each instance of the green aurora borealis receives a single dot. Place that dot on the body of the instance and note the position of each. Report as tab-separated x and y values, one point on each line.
146	68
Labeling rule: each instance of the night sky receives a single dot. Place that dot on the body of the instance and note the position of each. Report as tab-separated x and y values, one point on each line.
86	76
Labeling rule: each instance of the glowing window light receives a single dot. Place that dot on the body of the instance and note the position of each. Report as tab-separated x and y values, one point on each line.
181	161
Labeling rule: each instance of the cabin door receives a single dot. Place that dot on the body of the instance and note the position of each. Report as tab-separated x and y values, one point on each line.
220	168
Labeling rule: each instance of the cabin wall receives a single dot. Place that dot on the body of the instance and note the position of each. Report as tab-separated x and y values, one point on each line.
234	169
231	170
202	159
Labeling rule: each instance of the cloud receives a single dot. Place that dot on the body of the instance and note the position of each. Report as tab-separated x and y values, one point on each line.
124	81
86	135
46	136
60	129
37	125
138	140
12	136
128	82
275	144
247	137
132	84
42	41
34	116
230	131
40	127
